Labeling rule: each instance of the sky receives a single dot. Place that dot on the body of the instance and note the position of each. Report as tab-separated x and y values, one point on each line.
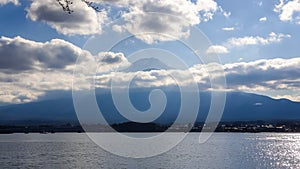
256	42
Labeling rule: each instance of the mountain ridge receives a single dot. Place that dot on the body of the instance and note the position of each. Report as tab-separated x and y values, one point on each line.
239	106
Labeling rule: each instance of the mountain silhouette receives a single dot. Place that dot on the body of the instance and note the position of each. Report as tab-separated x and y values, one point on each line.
239	107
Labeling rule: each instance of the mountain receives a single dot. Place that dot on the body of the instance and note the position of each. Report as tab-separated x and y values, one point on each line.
148	63
49	111
239	107
247	107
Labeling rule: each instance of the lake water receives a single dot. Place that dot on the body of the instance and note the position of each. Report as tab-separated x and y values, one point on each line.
223	150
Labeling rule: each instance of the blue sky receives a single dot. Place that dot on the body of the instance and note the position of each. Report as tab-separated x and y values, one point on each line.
244	19
247	35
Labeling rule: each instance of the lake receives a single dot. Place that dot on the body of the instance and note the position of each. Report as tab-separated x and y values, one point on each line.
222	150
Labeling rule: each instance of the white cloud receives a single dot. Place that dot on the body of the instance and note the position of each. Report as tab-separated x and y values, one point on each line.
263	19
109	61
29	70
29	86
161	18
207	8
45	67
257	40
19	54
279	6
164	20
263	75
256	77
32	84
83	21
226	14
288	11
228	29
4	2
217	49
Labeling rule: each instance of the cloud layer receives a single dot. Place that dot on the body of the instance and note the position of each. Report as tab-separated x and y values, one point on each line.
257	76
29	70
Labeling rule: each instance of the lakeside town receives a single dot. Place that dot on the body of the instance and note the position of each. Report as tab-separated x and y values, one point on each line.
243	127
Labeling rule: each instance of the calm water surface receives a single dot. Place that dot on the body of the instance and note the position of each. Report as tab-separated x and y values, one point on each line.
223	150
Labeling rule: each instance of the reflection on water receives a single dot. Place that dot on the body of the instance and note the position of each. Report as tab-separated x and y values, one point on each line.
223	150
279	151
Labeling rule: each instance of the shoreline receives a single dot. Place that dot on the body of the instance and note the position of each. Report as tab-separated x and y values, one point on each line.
8	133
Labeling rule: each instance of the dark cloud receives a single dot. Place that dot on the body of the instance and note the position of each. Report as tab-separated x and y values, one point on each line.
18	54
273	73
112	58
